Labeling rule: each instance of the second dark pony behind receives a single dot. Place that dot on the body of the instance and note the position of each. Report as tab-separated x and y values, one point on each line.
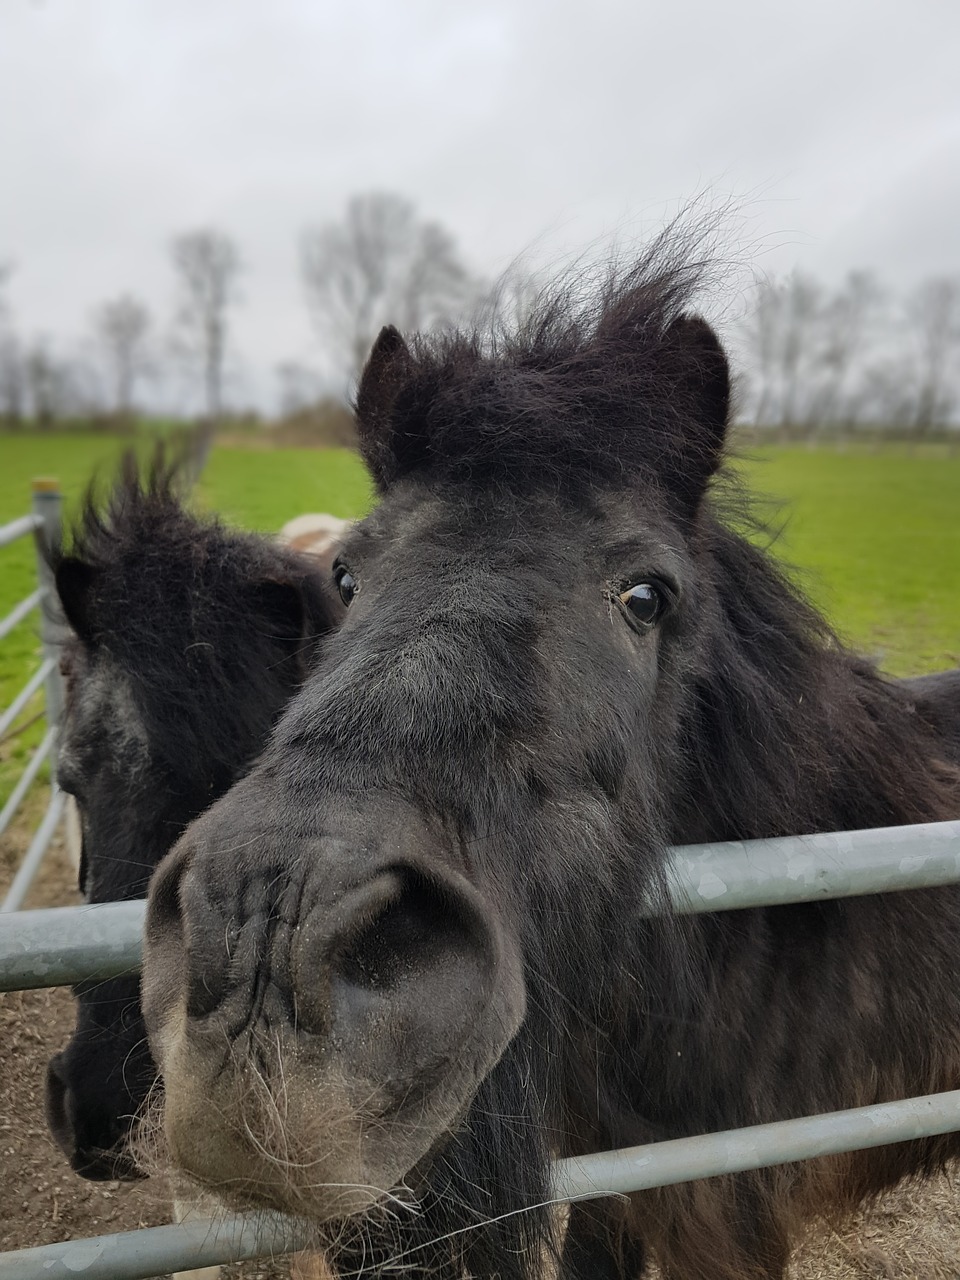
189	638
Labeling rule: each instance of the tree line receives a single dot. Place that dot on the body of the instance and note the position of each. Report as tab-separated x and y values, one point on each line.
379	263
124	351
812	359
819	360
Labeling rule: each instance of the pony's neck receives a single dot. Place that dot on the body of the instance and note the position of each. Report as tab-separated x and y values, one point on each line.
786	732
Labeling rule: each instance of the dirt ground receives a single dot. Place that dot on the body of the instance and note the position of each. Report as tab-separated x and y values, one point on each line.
912	1234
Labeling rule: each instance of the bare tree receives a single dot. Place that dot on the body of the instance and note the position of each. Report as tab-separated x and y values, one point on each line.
889	392
208	265
380	264
803	309
934	309
56	387
122	327
44	382
806	350
12	378
761	332
848	319
12	384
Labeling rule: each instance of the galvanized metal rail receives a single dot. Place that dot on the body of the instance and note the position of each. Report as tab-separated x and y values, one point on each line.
27	871
838	864
26	693
25	781
135	1255
19	528
20	611
72	944
60	946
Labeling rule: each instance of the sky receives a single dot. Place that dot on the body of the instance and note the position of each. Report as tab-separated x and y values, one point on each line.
829	132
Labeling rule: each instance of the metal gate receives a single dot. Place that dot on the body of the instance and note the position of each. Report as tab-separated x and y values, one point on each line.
62	945
44	522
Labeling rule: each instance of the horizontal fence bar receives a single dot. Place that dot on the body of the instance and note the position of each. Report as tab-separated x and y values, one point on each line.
28	775
58	946
719	877
27	871
25	694
20	611
136	1255
663	1164
837	864
153	1251
19	528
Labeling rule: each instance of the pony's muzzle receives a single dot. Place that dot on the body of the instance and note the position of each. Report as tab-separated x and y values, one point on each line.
397	973
346	1001
91	1141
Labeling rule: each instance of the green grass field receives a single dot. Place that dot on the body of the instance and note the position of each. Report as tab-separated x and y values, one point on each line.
874	538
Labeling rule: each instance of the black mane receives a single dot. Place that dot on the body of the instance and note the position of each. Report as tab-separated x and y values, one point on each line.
843	747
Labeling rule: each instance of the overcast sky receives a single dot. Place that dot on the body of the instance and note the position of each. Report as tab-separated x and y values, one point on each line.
529	124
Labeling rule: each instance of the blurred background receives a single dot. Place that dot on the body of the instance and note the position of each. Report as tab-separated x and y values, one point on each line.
211	208
207	211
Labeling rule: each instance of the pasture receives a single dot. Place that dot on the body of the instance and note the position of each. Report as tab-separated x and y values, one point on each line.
873	537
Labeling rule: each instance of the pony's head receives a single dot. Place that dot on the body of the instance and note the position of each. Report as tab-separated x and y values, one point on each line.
365	962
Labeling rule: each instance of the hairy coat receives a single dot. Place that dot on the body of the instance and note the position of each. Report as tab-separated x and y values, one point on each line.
409	957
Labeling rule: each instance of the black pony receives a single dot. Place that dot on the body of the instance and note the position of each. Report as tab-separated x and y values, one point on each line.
409	957
188	640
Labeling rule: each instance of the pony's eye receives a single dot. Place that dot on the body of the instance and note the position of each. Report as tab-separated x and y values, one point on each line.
644	602
346	583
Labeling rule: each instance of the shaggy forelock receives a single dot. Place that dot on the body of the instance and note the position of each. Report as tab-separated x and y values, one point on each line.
595	382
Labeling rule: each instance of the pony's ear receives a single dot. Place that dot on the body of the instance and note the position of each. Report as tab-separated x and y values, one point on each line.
76	582
384	374
701	378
